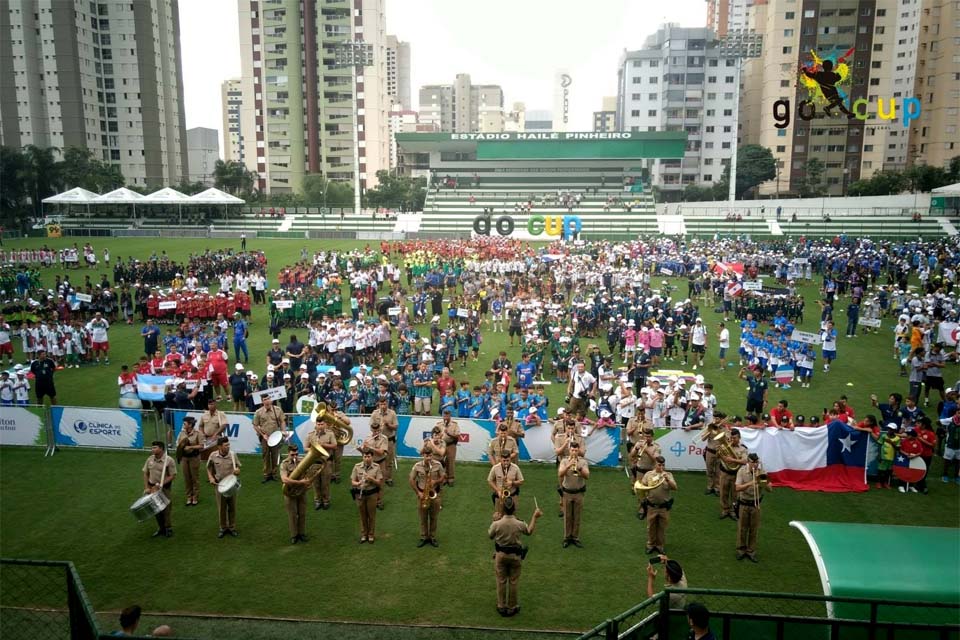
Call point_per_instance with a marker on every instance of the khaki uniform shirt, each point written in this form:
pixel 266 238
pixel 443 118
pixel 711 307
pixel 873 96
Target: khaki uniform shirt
pixel 387 421
pixel 559 428
pixel 662 493
pixel 420 471
pixel 210 424
pixel 508 448
pixel 565 441
pixel 634 428
pixel 450 432
pixel 646 458
pixel 190 440
pixel 369 475
pixel 286 468
pixel 740 452
pixel 514 428
pixel 571 481
pixel 745 476
pixel 498 476
pixel 269 420
pixel 326 440
pixel 507 531
pixel 155 469
pixel 221 465
pixel 373 442
pixel 438 451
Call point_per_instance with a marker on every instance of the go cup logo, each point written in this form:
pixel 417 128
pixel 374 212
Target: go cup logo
pixel 564 226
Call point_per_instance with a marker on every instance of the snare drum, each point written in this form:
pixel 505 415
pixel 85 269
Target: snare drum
pixel 130 401
pixel 149 505
pixel 229 486
pixel 274 439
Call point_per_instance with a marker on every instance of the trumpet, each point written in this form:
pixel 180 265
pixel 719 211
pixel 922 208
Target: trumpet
pixel 576 460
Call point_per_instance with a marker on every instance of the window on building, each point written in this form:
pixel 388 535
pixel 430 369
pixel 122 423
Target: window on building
pixel 708 145
pixel 652 96
pixel 788 33
pixel 784 83
pixel 653 79
pixel 709 128
pixel 787 50
pixel 724 145
pixel 878 47
pixel 635 113
pixel 654 63
pixel 810 13
pixel 727 128
pixel 790 15
pixel 728 112
pixel 881 13
pixel 636 80
pixel 708 177
pixel 652 113
pixel 781 148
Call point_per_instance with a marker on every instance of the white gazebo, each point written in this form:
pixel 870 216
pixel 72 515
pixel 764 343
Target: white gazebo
pixel 216 196
pixel 950 190
pixel 169 196
pixel 77 195
pixel 121 196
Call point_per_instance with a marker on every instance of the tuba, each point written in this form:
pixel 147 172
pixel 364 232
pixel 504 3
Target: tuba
pixel 342 430
pixel 315 455
pixel 641 489
pixel 724 449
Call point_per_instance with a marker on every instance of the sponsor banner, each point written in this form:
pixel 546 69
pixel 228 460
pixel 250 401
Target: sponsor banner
pixel 683 450
pixel 275 393
pixel 752 285
pixel 869 322
pixel 283 304
pixel 805 336
pixel 84 427
pixel 801 260
pixel 20 426
pixel 243 437
pixel 167 304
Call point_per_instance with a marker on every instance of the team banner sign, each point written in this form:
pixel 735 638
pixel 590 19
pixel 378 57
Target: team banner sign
pixel 475 436
pixel 20 426
pixel 84 427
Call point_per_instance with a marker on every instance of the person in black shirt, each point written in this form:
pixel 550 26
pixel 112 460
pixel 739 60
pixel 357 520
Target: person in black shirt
pixel 42 369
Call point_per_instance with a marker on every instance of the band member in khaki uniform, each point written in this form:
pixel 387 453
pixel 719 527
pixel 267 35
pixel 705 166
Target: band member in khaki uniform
pixel 632 433
pixel 434 445
pixel 366 481
pixel 427 471
pixel 158 473
pixel 387 419
pixel 504 475
pixel 710 458
pixel 502 446
pixel 514 426
pixel 450 431
pixel 295 495
pixel 659 503
pixel 266 420
pixel 376 443
pixel 335 460
pixel 212 425
pixel 508 557
pixel 750 487
pixel 573 474
pixel 221 464
pixel 728 475
pixel 324 437
pixel 189 446
pixel 643 456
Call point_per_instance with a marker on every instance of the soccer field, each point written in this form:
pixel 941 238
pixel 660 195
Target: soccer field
pixel 74 507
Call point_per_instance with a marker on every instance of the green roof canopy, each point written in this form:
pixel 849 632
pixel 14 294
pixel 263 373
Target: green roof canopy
pixel 884 562
pixel 552 145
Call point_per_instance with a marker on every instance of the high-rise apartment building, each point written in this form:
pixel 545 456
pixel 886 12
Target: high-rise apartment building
pixel 104 75
pixel 297 106
pixel 606 118
pixel 398 72
pixel 231 96
pixel 203 151
pixel 884 36
pixel 463 107
pixel 934 136
pixel 679 81
pixel 727 15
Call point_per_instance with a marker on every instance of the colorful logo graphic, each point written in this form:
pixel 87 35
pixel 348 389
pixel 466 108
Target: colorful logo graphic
pixel 827 81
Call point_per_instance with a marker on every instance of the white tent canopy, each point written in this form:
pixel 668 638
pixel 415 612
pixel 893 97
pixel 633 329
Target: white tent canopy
pixel 120 196
pixel 167 195
pixel 77 195
pixel 948 190
pixel 215 196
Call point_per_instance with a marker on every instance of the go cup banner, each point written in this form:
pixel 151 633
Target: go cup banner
pixel 20 426
pixel 83 427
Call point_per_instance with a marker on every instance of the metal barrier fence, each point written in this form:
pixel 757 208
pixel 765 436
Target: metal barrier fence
pixel 42 599
pixel 781 616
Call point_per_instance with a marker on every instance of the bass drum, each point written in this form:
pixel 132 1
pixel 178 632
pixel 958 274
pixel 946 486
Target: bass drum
pixel 130 401
pixel 149 505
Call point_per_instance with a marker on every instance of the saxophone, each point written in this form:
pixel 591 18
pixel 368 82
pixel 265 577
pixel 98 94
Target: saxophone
pixel 429 488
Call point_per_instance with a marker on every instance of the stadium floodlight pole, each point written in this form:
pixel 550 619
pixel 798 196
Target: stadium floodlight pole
pixel 738 44
pixel 356 54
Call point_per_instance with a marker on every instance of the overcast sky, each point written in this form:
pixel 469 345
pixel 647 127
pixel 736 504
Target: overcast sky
pixel 518 44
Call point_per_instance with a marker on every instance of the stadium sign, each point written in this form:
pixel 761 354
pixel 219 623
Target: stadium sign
pixel 547 135
pixel 565 226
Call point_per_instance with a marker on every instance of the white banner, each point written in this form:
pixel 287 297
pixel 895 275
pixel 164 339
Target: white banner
pixel 805 336
pixel 869 322
pixel 19 425
pixel 275 393
pixel 243 437
pixel 752 285
pixel 666 271
pixel 801 260
pixel 83 297
pixel 283 304
pixel 948 333
pixel 683 450
pixel 85 427
pixel 167 304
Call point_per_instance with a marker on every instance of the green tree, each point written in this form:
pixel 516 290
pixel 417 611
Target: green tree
pixel 234 178
pixel 14 168
pixel 954 172
pixel 755 164
pixel 925 178
pixel 190 188
pixel 397 192
pixel 696 193
pixel 811 185
pixel 79 168
pixel 318 191
pixel 43 175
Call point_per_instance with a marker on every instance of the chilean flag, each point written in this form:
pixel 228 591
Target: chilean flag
pixel 829 458
pixel 909 470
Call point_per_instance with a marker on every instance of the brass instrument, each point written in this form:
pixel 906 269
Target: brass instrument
pixel 725 450
pixel 507 489
pixel 576 460
pixel 429 488
pixel 342 430
pixel 315 455
pixel 655 481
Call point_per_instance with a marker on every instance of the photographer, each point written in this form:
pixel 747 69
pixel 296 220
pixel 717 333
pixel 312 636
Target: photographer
pixel 581 389
pixel 674 578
